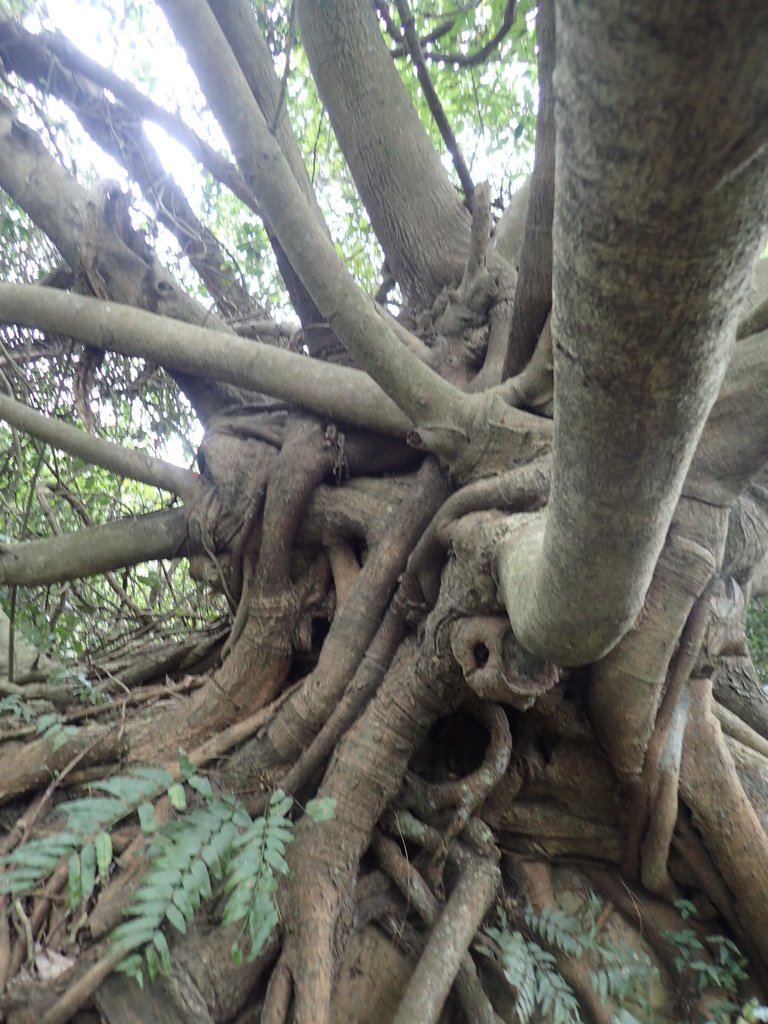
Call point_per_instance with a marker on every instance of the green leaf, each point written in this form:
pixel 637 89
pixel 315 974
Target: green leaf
pixel 321 809
pixel 147 818
pixel 132 934
pixel 186 768
pixel 176 918
pixel 260 927
pixel 279 804
pixel 177 796
pixel 74 885
pixel 87 870
pixel 96 809
pixel 148 909
pixel 161 945
pixel 276 861
pixel 133 966
pixel 202 879
pixel 153 964
pixel 103 844
pixel 202 785
pixel 157 777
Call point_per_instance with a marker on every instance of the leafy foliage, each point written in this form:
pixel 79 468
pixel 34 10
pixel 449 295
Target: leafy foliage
pixel 84 840
pixel 752 1013
pixel 718 964
pixel 757 632
pixel 532 971
pixel 214 842
pixel 618 973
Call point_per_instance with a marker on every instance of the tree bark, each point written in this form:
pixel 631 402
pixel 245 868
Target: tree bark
pixel 414 209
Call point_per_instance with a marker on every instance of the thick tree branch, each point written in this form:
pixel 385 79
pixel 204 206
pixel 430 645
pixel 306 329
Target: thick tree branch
pixel 235 17
pixel 242 32
pixel 659 217
pixel 414 210
pixel 95 550
pixel 330 390
pixel 134 465
pixel 533 298
pixel 423 396
pixel 15 40
pixel 60 208
pixel 58 68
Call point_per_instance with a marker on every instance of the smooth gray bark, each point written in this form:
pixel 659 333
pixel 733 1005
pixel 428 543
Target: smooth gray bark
pixel 96 549
pixel 334 391
pixel 659 216
pixel 425 397
pixel 117 459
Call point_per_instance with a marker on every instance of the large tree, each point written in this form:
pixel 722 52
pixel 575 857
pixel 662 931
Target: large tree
pixel 484 539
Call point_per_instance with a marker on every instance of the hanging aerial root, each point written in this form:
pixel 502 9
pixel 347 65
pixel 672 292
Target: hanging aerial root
pixel 448 944
pixel 655 799
pixel 352 630
pixel 710 786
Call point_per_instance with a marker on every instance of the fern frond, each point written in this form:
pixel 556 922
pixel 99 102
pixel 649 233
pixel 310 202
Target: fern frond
pixel 251 884
pixel 84 842
pixel 557 928
pixel 533 973
pixel 176 883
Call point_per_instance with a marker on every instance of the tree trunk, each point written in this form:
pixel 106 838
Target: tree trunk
pixel 490 632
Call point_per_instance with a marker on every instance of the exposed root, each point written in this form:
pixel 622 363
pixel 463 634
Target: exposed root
pixel 414 888
pixel 700 866
pixel 78 994
pixel 523 489
pixel 626 687
pixel 353 628
pixel 363 777
pixel 26 768
pixel 656 797
pixel 446 952
pixel 710 786
pixel 465 795
pixel 363 685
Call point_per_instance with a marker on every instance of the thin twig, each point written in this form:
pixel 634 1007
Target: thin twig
pixel 433 102
pixel 472 60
